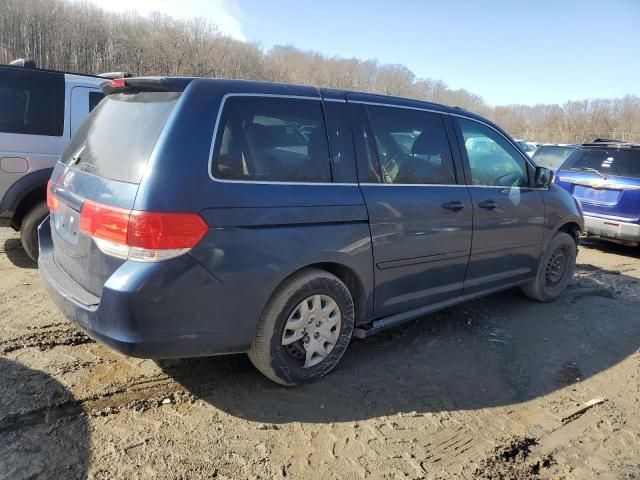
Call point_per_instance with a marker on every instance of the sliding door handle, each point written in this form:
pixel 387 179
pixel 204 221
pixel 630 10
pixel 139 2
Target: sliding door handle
pixel 455 205
pixel 488 204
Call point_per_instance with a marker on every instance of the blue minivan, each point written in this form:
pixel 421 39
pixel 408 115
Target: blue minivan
pixel 194 216
pixel 604 176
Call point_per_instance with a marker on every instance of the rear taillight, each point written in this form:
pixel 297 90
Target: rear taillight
pixel 52 202
pixel 141 236
pixel 117 83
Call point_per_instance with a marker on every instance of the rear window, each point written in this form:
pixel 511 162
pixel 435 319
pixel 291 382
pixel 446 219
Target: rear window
pixel 613 162
pixel 117 138
pixel 551 156
pixel 272 139
pixel 31 102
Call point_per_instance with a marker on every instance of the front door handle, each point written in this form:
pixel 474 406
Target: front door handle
pixel 454 205
pixel 488 204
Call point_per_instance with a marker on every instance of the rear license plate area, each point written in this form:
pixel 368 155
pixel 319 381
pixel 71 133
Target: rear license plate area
pixel 67 223
pixel 597 195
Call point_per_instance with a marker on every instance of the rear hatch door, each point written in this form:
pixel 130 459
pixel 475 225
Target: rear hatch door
pixel 104 163
pixel 605 180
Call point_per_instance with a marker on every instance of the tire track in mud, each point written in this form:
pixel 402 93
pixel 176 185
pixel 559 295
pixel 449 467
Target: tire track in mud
pixel 140 394
pixel 46 338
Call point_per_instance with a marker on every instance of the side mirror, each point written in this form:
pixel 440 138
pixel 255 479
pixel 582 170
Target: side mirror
pixel 543 177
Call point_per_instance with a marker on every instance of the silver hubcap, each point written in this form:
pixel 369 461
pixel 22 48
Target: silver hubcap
pixel 312 330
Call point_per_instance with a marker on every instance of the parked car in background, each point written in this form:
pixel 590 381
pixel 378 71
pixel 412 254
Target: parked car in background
pixel 39 111
pixel 605 177
pixel 528 147
pixel 552 156
pixel 194 216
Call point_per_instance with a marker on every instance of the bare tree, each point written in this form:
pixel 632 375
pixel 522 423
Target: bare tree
pixel 84 38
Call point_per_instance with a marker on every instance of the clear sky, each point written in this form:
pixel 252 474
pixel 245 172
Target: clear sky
pixel 545 51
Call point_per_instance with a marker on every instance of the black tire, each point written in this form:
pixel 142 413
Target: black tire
pixel 555 271
pixel 29 229
pixel 281 363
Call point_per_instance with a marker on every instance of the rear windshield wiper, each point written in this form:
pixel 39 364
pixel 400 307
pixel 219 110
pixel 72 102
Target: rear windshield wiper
pixel 591 170
pixel 75 159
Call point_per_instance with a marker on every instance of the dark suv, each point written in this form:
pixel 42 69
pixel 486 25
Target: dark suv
pixel 198 216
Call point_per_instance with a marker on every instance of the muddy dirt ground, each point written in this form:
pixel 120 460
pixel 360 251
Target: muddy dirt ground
pixel 489 389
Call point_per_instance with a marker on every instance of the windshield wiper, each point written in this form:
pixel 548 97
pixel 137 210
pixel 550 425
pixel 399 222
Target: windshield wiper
pixel 591 170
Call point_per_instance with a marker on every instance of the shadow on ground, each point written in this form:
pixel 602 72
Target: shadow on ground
pixel 43 433
pixel 626 250
pixel 16 254
pixel 500 350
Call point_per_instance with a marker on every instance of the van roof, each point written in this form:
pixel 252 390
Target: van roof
pixel 178 84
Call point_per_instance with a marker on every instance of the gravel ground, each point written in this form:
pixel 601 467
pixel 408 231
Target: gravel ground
pixel 489 389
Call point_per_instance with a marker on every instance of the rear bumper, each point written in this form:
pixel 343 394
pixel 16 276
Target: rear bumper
pixel 170 309
pixel 612 228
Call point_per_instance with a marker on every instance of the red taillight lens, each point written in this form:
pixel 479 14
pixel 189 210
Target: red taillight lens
pixel 159 231
pixel 52 202
pixel 104 222
pixel 117 83
pixel 144 236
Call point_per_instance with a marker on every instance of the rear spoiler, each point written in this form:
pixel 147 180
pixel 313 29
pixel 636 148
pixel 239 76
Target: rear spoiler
pixel 145 84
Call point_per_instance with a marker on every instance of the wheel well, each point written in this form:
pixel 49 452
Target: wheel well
pixel 353 283
pixel 30 200
pixel 572 229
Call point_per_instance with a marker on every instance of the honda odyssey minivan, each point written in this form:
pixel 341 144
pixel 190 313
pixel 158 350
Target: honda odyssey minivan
pixel 195 216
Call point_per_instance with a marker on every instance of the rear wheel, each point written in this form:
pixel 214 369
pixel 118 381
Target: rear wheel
pixel 29 229
pixel 555 270
pixel 305 328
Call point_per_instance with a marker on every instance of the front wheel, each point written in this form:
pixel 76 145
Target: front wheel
pixel 29 229
pixel 304 329
pixel 555 270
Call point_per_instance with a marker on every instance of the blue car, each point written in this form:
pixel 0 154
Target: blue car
pixel 605 177
pixel 195 216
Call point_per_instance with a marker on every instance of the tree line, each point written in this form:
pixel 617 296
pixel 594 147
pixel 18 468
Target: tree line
pixel 81 37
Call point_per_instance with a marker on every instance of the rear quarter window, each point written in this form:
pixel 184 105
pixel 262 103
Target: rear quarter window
pixel 31 102
pixel 118 137
pixel 271 139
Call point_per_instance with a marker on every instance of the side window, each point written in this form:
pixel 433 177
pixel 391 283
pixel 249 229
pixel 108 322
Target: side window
pixel 409 146
pixel 94 99
pixel 492 159
pixel 271 139
pixel 31 102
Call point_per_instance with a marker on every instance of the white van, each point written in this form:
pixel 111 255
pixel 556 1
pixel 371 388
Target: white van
pixel 39 111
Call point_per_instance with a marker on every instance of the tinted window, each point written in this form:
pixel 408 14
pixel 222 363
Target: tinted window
pixel 272 139
pixel 118 137
pixel 31 102
pixel 94 99
pixel 614 162
pixel 550 156
pixel 409 146
pixel 493 160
